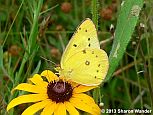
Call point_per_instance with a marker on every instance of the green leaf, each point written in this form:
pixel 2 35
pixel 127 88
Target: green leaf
pixel 37 68
pixel 127 19
pixel 1 57
pixel 94 11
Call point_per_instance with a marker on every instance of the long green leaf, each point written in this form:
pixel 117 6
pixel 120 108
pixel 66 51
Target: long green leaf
pixel 127 19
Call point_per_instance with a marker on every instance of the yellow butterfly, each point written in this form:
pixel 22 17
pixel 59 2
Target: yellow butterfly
pixel 83 61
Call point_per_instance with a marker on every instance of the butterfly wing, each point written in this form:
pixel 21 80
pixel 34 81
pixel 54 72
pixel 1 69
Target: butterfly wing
pixel 88 67
pixel 84 37
pixel 83 61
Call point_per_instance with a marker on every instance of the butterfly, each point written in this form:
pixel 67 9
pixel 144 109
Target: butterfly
pixel 83 61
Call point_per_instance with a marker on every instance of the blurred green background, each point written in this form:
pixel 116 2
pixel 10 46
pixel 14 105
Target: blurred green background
pixel 132 82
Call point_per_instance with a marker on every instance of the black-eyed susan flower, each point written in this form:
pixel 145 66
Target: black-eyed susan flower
pixel 54 96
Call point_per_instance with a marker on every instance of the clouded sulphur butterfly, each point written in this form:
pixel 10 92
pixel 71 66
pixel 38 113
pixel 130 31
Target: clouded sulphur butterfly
pixel 83 61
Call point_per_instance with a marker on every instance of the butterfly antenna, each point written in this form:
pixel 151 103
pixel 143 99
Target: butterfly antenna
pixel 48 60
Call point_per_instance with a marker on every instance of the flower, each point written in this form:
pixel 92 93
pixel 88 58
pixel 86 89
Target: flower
pixel 54 95
pixel 66 7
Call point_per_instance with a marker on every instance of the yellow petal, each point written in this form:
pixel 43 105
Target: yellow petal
pixel 85 104
pixel 82 88
pixel 84 97
pixel 37 80
pixel 49 109
pixel 71 109
pixel 60 110
pixel 30 88
pixel 74 84
pixel 49 75
pixel 35 107
pixel 26 99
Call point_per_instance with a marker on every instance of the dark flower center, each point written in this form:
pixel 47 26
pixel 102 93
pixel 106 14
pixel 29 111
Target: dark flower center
pixel 59 91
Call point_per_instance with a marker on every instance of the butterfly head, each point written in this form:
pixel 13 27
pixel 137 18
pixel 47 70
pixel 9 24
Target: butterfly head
pixel 63 72
pixel 58 68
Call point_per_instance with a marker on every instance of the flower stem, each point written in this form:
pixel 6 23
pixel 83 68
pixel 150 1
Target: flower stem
pixel 94 12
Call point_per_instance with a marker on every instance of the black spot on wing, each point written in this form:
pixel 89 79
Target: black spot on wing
pixel 74 45
pixel 84 51
pixel 87 62
pixel 98 65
